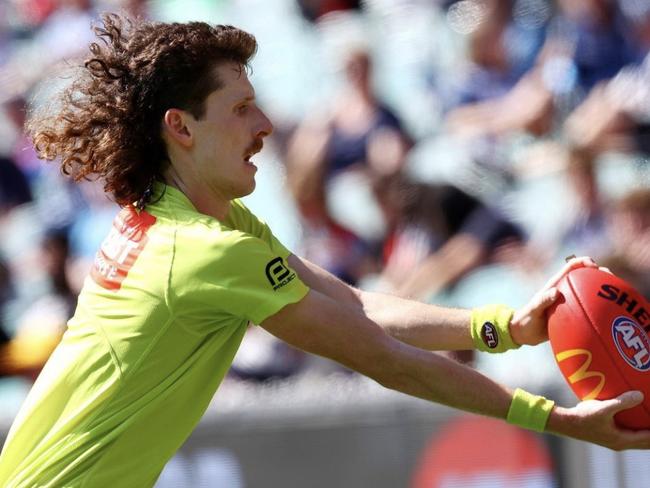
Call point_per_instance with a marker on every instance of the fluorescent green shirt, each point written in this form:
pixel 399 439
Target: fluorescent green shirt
pixel 158 323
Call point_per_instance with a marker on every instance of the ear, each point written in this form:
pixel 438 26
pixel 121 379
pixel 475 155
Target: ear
pixel 176 127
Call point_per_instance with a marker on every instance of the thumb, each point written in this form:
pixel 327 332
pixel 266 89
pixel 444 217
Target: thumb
pixel 547 298
pixel 626 400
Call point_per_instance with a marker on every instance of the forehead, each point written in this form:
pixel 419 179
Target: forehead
pixel 235 84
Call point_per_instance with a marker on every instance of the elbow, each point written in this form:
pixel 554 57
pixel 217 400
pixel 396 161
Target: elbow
pixel 401 381
pixel 385 367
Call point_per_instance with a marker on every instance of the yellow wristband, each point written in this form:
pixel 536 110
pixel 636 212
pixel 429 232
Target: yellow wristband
pixel 529 411
pixel 490 328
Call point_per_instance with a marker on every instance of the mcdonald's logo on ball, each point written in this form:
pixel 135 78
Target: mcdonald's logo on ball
pixel 589 389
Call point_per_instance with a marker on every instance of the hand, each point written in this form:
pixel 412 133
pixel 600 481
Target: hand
pixel 528 325
pixel 593 421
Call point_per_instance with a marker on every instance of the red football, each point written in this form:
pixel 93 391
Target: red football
pixel 599 334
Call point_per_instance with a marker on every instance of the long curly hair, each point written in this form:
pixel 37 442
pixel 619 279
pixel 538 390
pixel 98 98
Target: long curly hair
pixel 107 122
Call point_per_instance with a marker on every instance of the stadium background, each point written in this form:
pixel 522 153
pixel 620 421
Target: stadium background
pixel 538 110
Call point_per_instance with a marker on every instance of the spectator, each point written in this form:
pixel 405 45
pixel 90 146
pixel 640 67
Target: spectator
pixel 360 135
pixel 438 234
pixel 500 51
pixel 588 42
pixel 630 231
pixel 615 115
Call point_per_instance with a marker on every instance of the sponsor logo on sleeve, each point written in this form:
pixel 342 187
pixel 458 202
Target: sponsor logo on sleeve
pixel 121 248
pixel 632 343
pixel 278 273
pixel 489 335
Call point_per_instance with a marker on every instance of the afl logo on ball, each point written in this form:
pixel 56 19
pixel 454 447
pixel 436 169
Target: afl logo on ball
pixel 632 343
pixel 489 335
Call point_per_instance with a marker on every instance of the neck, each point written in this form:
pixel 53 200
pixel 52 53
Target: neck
pixel 201 197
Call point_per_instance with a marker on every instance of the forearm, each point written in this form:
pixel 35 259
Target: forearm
pixel 419 324
pixel 415 323
pixel 562 422
pixel 436 378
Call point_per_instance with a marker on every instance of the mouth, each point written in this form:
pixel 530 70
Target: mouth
pixel 255 148
pixel 250 164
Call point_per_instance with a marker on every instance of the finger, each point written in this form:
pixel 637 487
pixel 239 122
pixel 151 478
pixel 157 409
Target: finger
pixel 626 400
pixel 587 261
pixel 546 299
pixel 635 439
pixel 573 258
pixel 581 262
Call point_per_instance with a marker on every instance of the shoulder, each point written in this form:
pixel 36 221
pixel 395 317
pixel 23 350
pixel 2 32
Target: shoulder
pixel 208 256
pixel 238 210
pixel 207 241
pixel 241 217
pixel 236 272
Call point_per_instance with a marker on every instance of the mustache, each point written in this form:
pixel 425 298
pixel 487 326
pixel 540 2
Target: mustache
pixel 255 147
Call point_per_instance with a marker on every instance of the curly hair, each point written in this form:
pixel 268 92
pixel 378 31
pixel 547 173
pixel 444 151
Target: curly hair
pixel 108 120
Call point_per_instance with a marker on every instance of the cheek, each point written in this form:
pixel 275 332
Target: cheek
pixel 216 146
pixel 229 137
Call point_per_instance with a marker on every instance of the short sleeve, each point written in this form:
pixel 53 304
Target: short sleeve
pixel 234 273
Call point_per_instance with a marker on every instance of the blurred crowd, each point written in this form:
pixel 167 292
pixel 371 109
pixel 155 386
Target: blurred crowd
pixel 449 151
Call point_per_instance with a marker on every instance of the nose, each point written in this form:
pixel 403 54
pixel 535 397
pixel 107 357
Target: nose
pixel 264 126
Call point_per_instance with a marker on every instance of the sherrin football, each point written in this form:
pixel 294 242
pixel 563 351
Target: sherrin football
pixel 598 330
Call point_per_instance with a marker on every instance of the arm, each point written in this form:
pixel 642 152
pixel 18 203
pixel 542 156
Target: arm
pixel 415 323
pixel 343 332
pixel 527 106
pixel 429 326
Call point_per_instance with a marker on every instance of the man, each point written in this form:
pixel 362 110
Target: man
pixel 165 114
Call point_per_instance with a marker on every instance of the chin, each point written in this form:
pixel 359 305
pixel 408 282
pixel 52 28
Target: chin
pixel 247 190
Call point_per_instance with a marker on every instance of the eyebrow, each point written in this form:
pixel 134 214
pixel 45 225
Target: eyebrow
pixel 247 98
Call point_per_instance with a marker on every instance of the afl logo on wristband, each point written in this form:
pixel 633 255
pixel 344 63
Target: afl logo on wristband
pixel 489 335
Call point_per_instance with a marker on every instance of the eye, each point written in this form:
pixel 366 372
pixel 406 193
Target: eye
pixel 241 109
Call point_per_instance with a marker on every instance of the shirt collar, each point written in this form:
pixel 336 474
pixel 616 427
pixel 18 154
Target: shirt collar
pixel 172 195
